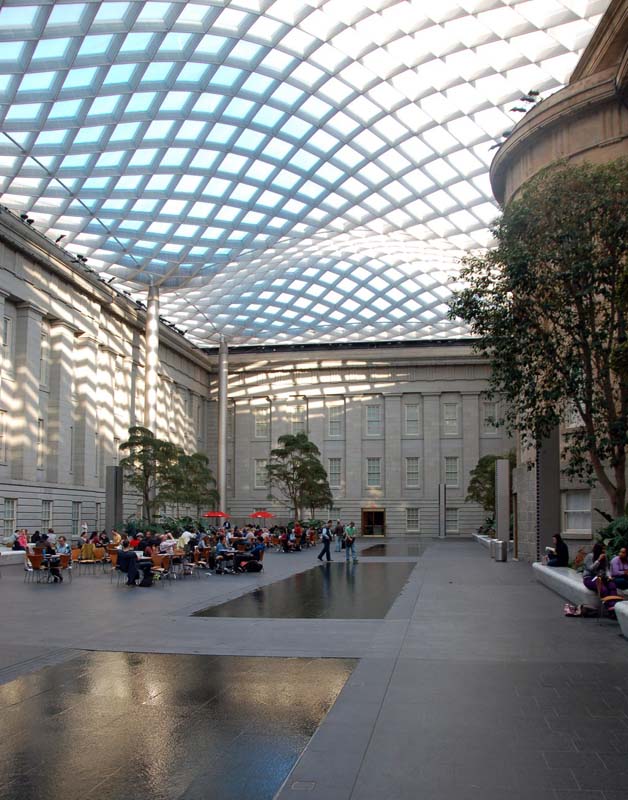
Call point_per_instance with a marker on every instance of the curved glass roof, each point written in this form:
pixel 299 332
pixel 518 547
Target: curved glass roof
pixel 285 170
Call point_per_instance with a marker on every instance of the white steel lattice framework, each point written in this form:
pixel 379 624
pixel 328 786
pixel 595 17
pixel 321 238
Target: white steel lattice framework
pixel 287 172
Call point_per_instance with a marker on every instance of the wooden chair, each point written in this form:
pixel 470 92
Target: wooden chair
pixel 65 564
pixel 161 567
pixel 33 567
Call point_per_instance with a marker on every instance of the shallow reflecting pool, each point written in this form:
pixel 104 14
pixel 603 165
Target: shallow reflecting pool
pixel 397 547
pixel 329 591
pixel 124 726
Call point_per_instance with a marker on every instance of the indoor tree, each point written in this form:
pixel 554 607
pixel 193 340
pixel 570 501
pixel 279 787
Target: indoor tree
pixel 548 310
pixel 294 469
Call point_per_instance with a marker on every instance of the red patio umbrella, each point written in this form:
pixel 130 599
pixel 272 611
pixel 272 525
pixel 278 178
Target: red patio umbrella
pixel 215 514
pixel 261 515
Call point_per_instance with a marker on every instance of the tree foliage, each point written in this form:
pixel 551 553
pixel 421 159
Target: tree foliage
pixel 548 306
pixel 295 470
pixel 481 487
pixel 147 466
pixel 165 475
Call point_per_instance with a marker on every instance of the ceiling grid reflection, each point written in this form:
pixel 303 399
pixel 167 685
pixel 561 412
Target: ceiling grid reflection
pixel 287 171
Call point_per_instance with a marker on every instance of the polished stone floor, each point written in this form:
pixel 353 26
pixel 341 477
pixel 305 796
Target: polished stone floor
pixel 139 727
pixel 398 547
pixel 474 686
pixel 328 591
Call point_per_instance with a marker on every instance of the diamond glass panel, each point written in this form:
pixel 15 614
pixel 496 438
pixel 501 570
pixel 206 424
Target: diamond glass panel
pixel 218 148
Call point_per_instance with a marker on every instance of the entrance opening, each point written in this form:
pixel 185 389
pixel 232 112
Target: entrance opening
pixel 373 522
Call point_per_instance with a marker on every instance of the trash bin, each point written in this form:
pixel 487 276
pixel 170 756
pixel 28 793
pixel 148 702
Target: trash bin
pixel 501 550
pixel 492 548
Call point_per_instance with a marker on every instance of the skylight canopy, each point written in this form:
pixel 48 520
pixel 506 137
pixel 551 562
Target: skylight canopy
pixel 288 171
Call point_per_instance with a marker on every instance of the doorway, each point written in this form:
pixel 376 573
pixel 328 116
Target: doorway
pixel 373 522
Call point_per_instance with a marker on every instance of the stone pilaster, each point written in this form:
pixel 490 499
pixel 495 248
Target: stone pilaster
pixel 27 410
pixel 392 446
pixel 60 412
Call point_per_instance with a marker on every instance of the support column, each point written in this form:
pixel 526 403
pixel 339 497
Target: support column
pixel 223 374
pixel 547 491
pixel 151 359
pixel 25 422
pixel 502 499
pixel 392 447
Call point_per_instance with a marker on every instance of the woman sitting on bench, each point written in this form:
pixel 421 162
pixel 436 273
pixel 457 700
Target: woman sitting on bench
pixel 596 576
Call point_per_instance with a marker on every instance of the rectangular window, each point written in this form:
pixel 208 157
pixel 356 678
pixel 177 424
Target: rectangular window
pixel 450 419
pixel 489 416
pixel 99 525
pixel 261 420
pixel 413 519
pixel 451 471
pixel 76 519
pixel 10 516
pixel 374 420
pixel 46 515
pixel 571 417
pixel 413 478
pixel 299 419
pixel 577 512
pixel 451 520
pixel 373 472
pixel 412 419
pixel 261 476
pixel 41 444
pixel 3 437
pixel 333 472
pixel 334 420
pixel 7 346
pixel 44 354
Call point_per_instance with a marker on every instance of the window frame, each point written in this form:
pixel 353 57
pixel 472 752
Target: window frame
pixel 335 416
pixel 372 460
pixel 417 484
pixel 9 503
pixel 564 512
pixel 448 428
pixel 448 512
pixel 75 518
pixel 261 422
pixel 47 519
pixel 456 459
pixel 409 527
pixel 369 407
pixel 331 472
pixel 256 473
pixel 406 420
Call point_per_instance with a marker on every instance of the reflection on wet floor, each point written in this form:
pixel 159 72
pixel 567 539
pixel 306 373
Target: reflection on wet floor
pixel 125 726
pixel 329 591
pixel 397 547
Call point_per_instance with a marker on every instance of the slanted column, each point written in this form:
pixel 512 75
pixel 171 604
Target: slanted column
pixel 60 409
pixel 223 400
pixel 151 359
pixel 26 417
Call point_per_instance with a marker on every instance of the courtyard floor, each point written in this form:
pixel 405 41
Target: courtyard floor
pixel 446 675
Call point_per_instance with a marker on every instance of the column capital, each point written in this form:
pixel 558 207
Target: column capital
pixel 56 322
pixel 26 307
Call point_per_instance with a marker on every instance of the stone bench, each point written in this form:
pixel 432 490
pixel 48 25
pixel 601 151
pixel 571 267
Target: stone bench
pixel 485 541
pixel 10 557
pixel 567 583
pixel 621 610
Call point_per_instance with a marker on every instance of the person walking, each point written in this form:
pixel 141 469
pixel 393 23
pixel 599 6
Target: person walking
pixel 339 533
pixel 350 534
pixel 326 537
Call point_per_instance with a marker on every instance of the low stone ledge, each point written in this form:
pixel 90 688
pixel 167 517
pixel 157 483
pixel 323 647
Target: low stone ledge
pixel 567 583
pixel 485 541
pixel 621 610
pixel 11 557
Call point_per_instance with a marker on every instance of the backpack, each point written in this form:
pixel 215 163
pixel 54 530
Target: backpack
pixel 253 566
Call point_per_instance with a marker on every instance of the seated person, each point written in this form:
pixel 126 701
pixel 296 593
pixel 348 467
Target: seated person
pixel 116 539
pixel 103 539
pixel 619 569
pixel 596 576
pixel 223 554
pixel 63 548
pixel 52 559
pixel 167 544
pixel 127 563
pixel 558 556
pixel 20 540
pixel 257 549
